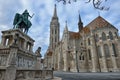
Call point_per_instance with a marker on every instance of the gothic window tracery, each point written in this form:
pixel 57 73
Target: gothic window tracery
pixel 111 35
pixel 97 38
pixel 116 35
pixel 99 52
pixel 106 50
pixel 114 50
pixel 104 36
pixel 89 54
pixel 81 57
pixel 89 41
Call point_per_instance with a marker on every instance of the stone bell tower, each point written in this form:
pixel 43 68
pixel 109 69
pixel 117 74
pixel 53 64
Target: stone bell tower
pixel 54 30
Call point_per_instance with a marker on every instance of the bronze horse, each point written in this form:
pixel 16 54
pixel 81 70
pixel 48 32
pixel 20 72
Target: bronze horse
pixel 21 21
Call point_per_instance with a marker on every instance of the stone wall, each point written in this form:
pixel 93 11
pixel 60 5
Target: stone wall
pixel 27 74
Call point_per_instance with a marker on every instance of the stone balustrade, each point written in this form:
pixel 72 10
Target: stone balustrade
pixel 29 74
pixel 34 74
pixel 5 51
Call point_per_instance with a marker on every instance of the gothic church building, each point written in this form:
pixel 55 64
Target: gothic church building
pixel 94 48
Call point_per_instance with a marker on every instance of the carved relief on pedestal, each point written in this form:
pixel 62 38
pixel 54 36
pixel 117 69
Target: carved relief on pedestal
pixel 38 74
pixel 20 75
pixel 30 74
pixel 3 59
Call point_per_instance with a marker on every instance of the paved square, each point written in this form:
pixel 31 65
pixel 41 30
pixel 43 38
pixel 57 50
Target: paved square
pixel 87 76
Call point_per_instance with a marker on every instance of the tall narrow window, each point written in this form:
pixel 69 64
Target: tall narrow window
pixel 96 38
pixel 83 57
pixel 111 35
pixel 89 54
pixel 80 57
pixel 89 41
pixel 99 52
pixel 106 50
pixel 104 36
pixel 55 40
pixel 7 42
pixel 116 35
pixel 114 50
pixel 55 31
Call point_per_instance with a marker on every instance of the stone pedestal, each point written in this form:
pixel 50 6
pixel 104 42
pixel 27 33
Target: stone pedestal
pixel 10 73
pixel 38 63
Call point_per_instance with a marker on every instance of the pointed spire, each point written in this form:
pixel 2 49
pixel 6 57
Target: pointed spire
pixel 66 23
pixel 79 19
pixel 80 24
pixel 66 28
pixel 55 11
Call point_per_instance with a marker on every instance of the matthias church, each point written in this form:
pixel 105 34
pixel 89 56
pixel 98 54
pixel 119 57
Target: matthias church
pixel 94 48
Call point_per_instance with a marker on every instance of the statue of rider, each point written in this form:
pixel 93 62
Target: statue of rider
pixel 25 15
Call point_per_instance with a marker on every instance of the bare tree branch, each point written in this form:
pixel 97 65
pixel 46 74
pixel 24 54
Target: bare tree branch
pixel 96 3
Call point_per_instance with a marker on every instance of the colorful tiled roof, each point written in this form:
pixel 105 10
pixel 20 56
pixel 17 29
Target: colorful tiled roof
pixel 98 23
pixel 74 35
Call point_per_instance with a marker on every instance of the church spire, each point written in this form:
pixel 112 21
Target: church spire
pixel 66 27
pixel 54 29
pixel 80 24
pixel 55 11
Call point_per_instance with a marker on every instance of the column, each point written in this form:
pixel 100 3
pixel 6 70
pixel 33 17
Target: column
pixel 59 61
pixel 31 49
pixel 114 63
pixel 3 40
pixel 25 44
pixel 11 66
pixel 103 60
pixel 94 54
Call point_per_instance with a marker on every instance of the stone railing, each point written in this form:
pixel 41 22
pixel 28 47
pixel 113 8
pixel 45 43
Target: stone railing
pixel 29 74
pixel 4 51
pixel 34 74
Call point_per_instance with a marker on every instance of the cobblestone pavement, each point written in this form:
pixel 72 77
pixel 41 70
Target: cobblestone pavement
pixel 87 76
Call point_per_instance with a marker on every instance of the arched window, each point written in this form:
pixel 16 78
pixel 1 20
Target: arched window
pixel 114 49
pixel 89 41
pixel 83 57
pixel 81 43
pixel 106 50
pixel 99 52
pixel 89 54
pixel 111 35
pixel 80 57
pixel 96 38
pixel 104 36
pixel 116 35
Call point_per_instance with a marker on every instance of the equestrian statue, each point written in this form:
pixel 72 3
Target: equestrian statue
pixel 22 21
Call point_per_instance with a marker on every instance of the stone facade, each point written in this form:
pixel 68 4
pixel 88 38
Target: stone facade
pixel 23 44
pixel 94 48
pixel 17 59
